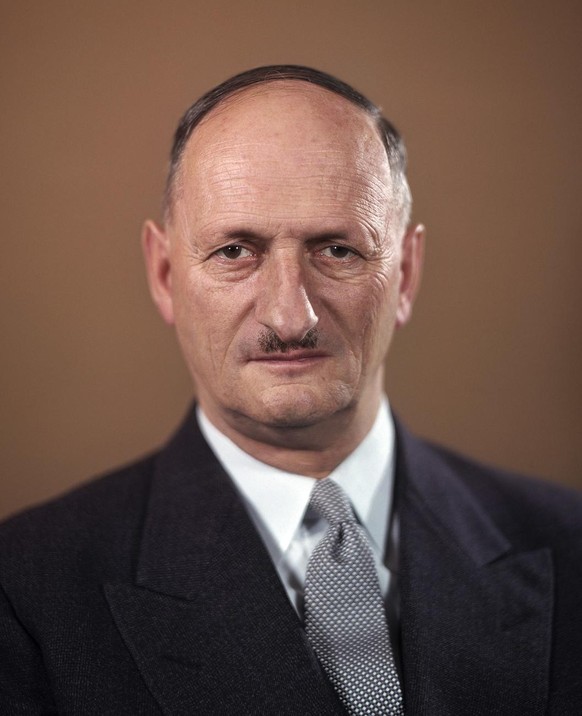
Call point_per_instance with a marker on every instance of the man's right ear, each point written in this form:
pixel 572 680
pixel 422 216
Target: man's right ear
pixel 156 249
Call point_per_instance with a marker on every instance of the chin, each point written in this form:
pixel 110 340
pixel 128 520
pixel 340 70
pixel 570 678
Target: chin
pixel 297 408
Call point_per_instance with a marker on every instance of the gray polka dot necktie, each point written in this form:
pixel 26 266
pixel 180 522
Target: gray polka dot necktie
pixel 344 611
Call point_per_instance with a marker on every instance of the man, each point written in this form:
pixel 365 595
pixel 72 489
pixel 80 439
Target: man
pixel 215 576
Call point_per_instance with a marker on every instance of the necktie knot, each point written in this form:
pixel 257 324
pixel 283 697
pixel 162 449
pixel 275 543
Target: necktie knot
pixel 330 502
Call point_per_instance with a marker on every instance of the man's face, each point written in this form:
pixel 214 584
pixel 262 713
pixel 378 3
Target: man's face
pixel 283 265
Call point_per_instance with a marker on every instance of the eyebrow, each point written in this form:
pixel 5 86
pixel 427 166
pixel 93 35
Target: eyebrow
pixel 249 234
pixel 237 234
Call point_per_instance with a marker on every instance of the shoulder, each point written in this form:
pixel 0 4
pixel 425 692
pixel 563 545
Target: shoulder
pixel 521 505
pixel 525 508
pixel 89 526
pixel 106 494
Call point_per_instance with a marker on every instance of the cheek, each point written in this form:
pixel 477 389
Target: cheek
pixel 365 309
pixel 209 318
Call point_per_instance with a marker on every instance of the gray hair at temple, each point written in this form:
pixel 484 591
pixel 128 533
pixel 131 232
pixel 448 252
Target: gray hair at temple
pixel 390 136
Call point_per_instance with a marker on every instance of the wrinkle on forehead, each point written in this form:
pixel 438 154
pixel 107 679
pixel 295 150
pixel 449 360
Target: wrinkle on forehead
pixel 265 195
pixel 288 113
pixel 267 147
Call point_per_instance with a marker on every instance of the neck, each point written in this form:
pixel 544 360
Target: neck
pixel 314 450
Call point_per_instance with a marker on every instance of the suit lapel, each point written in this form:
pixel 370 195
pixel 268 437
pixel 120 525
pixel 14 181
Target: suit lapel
pixel 476 615
pixel 208 621
pixel 212 631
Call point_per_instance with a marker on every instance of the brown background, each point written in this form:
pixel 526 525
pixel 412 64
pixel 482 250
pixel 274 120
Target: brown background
pixel 489 98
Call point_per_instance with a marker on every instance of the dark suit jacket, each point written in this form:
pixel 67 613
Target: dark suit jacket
pixel 149 591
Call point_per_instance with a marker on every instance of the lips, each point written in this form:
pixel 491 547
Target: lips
pixel 289 356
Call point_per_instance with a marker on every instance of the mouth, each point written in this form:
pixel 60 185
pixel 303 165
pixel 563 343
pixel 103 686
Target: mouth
pixel 289 358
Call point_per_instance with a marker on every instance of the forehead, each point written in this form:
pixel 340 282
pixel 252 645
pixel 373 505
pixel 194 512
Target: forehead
pixel 283 139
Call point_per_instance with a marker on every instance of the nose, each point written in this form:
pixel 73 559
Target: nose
pixel 283 303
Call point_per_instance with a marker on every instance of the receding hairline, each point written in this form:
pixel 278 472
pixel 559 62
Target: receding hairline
pixel 278 86
pixel 246 97
pixel 261 79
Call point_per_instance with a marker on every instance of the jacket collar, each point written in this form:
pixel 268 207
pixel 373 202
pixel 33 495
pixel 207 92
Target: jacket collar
pixel 207 620
pixel 212 631
pixel 475 613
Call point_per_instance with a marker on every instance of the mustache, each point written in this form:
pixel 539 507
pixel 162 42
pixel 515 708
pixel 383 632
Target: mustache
pixel 270 342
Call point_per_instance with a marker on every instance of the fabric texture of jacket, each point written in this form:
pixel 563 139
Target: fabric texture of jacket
pixel 149 591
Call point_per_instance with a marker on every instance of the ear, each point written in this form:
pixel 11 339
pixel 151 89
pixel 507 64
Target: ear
pixel 156 249
pixel 410 271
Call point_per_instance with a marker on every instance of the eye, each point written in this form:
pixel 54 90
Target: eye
pixel 337 252
pixel 234 251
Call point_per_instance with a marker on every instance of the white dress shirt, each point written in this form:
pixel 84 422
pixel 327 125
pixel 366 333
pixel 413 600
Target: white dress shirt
pixel 277 502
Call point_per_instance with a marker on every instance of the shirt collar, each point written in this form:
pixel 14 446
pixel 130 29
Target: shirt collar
pixel 277 500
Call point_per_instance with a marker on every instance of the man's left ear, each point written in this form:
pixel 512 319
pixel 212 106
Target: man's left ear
pixel 410 271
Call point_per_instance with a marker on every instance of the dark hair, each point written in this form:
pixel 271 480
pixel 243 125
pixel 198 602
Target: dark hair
pixel 390 136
